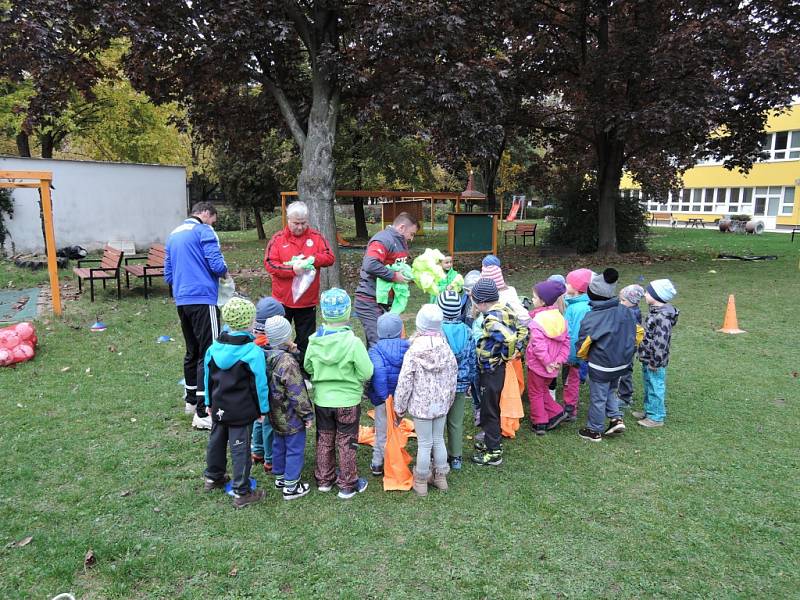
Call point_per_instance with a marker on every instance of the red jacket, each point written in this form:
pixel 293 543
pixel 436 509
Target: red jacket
pixel 280 249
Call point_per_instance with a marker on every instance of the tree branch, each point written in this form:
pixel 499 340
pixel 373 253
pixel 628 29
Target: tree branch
pixel 288 112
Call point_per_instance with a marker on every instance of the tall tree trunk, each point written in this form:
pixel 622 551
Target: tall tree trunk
pixel 358 211
pixel 47 145
pixel 23 145
pixel 491 166
pixel 259 223
pixel 610 160
pixel 316 184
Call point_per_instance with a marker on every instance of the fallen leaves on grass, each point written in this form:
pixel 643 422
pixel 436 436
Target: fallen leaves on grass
pixel 89 559
pixel 125 493
pixel 65 369
pixel 21 543
pixel 234 571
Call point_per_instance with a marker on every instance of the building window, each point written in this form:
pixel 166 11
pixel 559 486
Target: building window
pixel 747 200
pixel 781 145
pixel 685 199
pixel 733 202
pixel 787 206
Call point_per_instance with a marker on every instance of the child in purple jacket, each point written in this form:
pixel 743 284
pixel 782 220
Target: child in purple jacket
pixel 387 359
pixel 547 351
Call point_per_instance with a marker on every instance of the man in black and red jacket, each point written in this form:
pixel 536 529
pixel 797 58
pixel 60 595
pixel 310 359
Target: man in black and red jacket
pixel 384 248
pixel 296 239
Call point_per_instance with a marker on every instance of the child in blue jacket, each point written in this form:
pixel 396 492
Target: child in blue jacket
pixel 459 338
pixel 387 359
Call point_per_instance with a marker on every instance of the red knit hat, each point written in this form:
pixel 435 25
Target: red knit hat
pixel 580 279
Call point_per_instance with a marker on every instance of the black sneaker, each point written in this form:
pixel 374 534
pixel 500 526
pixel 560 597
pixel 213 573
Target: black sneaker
pixel 481 446
pixel 488 458
pixel 280 483
pixel 540 429
pixel 615 426
pixel 556 421
pixel 298 490
pixel 376 470
pixel 209 485
pixel 572 414
pixel 591 435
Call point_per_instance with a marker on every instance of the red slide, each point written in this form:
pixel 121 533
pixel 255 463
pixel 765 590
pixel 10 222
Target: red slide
pixel 512 214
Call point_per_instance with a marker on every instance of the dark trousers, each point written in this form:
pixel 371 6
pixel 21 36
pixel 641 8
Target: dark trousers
pixel 305 322
pixel 237 437
pixel 491 384
pixel 368 312
pixel 337 433
pixel 200 327
pixel 287 456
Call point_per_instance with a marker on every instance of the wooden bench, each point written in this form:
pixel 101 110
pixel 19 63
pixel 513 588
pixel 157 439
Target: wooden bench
pixel 662 216
pixel 109 268
pixel 523 230
pixel 152 267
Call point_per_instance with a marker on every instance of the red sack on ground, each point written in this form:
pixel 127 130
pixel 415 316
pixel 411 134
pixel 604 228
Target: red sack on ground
pixel 17 344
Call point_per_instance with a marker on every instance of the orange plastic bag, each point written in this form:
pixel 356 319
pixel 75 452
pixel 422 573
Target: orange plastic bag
pixel 366 435
pixel 511 399
pixel 396 474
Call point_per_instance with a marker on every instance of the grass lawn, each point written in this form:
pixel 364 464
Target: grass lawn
pixel 98 455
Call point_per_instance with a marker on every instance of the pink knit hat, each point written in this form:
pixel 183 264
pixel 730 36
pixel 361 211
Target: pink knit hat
pixel 494 273
pixel 580 279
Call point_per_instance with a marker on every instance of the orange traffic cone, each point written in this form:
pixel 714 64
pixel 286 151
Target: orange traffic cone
pixel 731 323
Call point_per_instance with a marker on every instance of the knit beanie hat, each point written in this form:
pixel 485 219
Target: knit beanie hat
pixel 335 305
pixel 485 291
pixel 557 277
pixel 470 279
pixel 580 279
pixel 278 330
pixel 390 326
pixel 450 303
pixel 549 291
pixel 490 260
pixel 429 319
pixel 632 293
pixel 662 290
pixel 266 308
pixel 495 273
pixel 603 285
pixel 239 313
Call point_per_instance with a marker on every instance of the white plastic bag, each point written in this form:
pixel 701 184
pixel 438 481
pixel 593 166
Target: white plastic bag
pixel 302 282
pixel 227 288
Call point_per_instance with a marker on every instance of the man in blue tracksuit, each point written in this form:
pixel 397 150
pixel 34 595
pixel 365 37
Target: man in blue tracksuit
pixel 193 266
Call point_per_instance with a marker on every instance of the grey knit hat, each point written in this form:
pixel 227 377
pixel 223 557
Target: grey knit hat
pixel 485 291
pixel 603 285
pixel 390 326
pixel 429 319
pixel 278 330
pixel 267 307
pixel 470 279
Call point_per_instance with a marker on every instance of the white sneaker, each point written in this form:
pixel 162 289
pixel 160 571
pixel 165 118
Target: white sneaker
pixel 189 409
pixel 201 422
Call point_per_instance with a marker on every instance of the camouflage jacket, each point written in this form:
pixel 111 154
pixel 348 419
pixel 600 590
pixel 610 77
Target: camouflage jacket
pixel 289 404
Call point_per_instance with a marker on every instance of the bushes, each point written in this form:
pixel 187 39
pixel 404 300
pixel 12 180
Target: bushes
pixel 6 208
pixel 574 223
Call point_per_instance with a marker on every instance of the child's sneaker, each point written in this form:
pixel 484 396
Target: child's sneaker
pixel 199 422
pixel 650 423
pixel 298 490
pixel 615 426
pixel 324 488
pixel 361 485
pixel 189 408
pixel 280 482
pixel 572 414
pixel 209 485
pixel 539 428
pixel 557 420
pixel 376 470
pixel 636 414
pixel 267 467
pixel 257 458
pixel 590 434
pixel 248 498
pixel 488 459
pixel 455 462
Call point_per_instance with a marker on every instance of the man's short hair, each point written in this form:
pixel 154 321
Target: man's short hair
pixel 298 209
pixel 201 207
pixel 405 218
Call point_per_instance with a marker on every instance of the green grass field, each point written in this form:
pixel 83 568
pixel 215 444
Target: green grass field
pixel 98 455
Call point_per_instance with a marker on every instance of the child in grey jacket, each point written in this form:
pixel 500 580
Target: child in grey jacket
pixel 426 388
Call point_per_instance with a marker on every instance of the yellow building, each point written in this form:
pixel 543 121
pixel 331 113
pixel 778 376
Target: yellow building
pixel 768 192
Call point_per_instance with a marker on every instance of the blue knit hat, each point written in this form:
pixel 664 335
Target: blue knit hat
pixel 557 277
pixel 491 261
pixel 267 307
pixel 662 290
pixel 335 305
pixel 390 326
pixel 485 291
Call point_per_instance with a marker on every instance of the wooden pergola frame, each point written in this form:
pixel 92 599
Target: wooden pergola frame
pixel 393 195
pixel 40 180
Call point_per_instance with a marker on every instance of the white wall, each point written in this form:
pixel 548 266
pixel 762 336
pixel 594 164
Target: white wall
pixel 97 202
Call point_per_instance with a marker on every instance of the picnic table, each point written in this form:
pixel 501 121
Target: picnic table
pixel 695 222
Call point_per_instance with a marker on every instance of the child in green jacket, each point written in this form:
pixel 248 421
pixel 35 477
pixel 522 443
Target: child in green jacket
pixel 338 364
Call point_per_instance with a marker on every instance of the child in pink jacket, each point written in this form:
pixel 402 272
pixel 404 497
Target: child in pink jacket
pixel 548 349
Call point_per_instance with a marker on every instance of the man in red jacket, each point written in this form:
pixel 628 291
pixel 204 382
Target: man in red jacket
pixel 296 239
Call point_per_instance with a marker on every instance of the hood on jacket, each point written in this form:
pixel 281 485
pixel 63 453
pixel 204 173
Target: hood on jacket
pixel 457 335
pixel 550 321
pixel 667 311
pixel 334 344
pixel 427 351
pixel 604 304
pixel 576 299
pixel 392 350
pixel 231 347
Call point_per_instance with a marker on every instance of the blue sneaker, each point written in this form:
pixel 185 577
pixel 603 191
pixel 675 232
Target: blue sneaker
pixel 455 463
pixel 361 485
